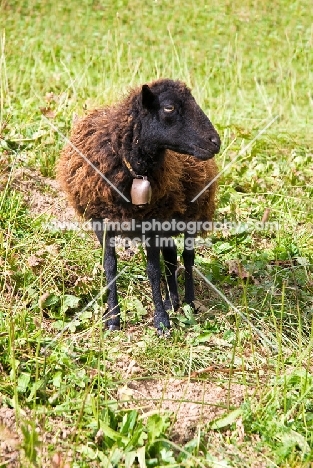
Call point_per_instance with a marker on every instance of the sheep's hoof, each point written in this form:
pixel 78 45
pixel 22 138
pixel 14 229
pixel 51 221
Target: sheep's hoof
pixel 164 332
pixel 114 327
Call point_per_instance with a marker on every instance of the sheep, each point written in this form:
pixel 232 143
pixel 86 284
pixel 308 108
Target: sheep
pixel 160 136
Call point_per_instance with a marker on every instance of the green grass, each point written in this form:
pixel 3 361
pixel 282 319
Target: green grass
pixel 247 62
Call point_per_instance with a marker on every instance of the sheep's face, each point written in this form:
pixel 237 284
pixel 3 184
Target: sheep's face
pixel 173 120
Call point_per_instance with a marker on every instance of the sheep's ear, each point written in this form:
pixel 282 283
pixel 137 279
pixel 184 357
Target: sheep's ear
pixel 149 100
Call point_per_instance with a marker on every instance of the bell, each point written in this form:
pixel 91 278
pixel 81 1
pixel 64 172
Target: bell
pixel 141 191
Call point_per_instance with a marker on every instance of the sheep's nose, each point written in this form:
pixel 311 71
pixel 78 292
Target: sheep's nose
pixel 216 142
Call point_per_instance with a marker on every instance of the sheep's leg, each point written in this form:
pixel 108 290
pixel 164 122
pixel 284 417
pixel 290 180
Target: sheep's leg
pixel 188 258
pixel 161 318
pixel 110 267
pixel 170 260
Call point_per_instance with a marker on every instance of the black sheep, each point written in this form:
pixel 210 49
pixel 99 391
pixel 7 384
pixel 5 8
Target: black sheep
pixel 157 135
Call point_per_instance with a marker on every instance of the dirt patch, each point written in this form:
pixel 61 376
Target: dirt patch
pixel 42 194
pixel 193 404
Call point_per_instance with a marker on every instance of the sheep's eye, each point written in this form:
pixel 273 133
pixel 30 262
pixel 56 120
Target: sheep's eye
pixel 168 108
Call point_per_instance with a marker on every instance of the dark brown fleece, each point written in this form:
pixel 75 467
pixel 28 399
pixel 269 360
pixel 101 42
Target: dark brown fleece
pixel 107 135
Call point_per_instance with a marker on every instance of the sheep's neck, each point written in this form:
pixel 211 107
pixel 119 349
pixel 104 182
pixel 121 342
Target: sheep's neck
pixel 141 164
pixel 141 189
pixel 142 157
pixel 131 170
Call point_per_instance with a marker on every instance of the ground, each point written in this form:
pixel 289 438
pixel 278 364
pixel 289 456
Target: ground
pixel 191 404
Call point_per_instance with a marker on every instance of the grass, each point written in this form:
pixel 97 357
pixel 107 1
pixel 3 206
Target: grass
pixel 74 394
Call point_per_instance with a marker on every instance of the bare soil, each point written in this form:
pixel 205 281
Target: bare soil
pixel 42 194
pixel 193 404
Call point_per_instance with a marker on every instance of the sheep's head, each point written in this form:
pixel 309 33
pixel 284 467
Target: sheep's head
pixel 173 120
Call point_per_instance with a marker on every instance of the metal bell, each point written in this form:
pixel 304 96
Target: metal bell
pixel 141 191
